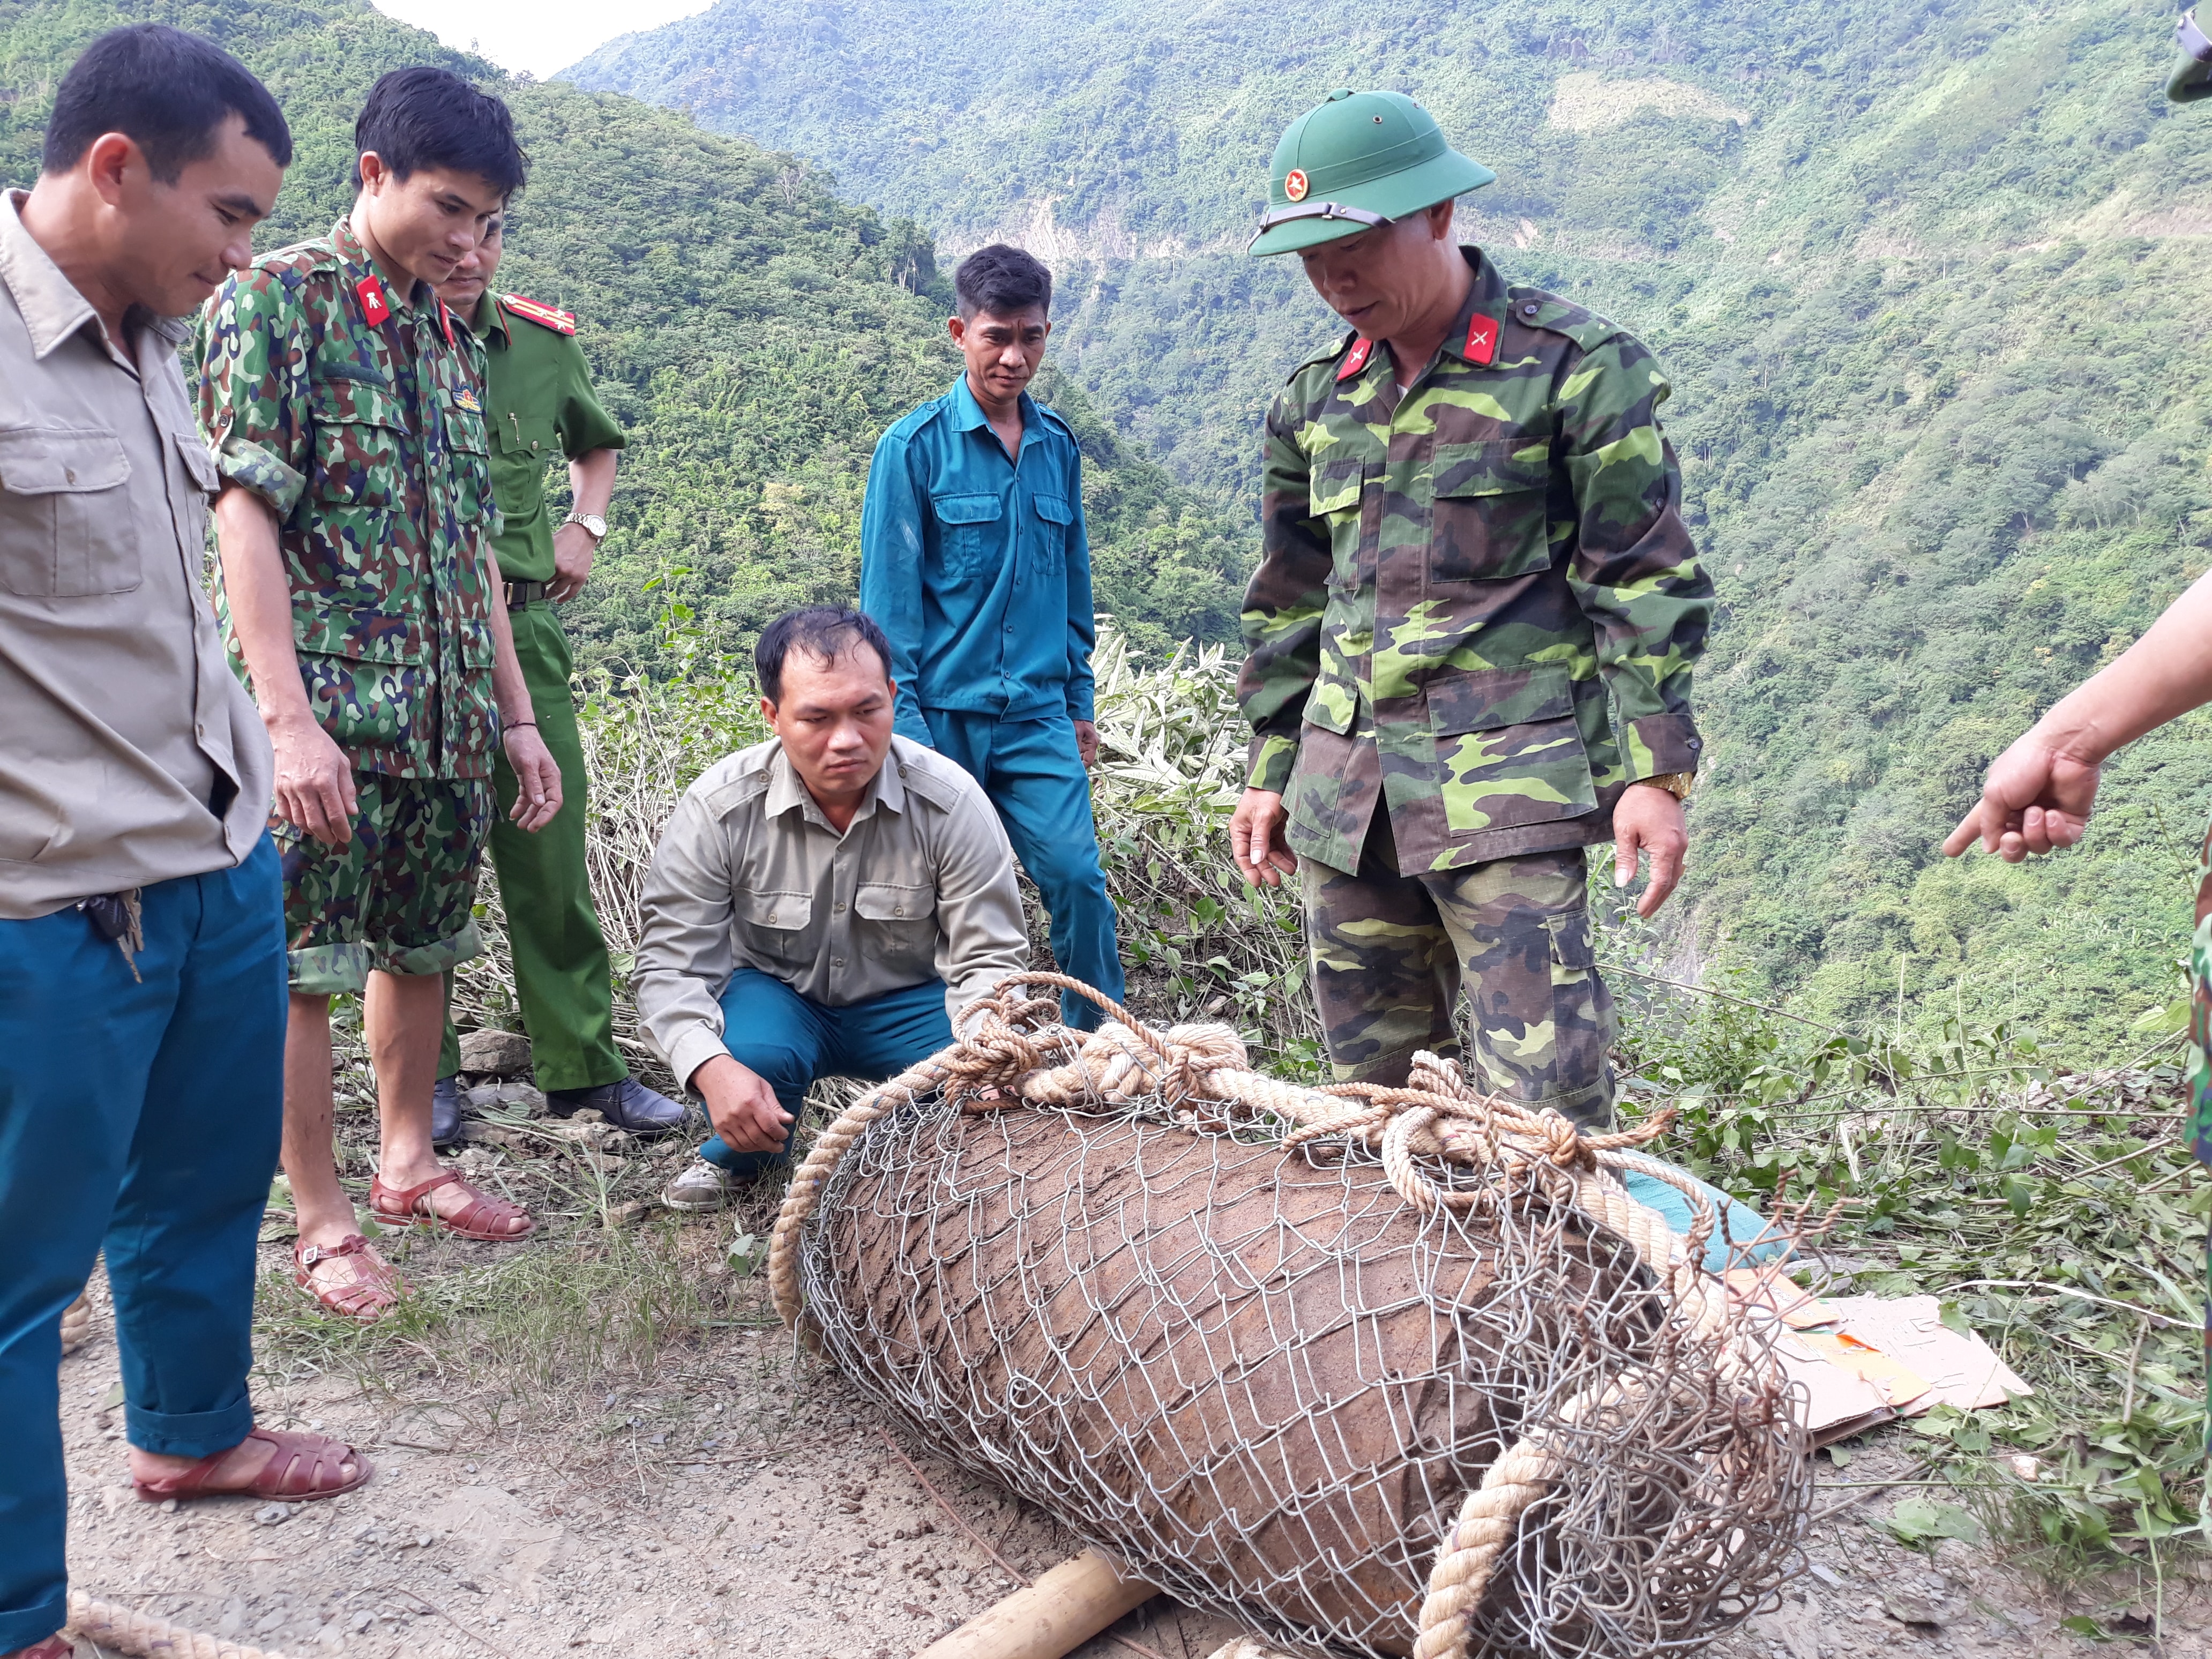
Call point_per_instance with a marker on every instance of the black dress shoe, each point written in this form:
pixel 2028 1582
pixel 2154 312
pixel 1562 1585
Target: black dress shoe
pixel 446 1111
pixel 628 1104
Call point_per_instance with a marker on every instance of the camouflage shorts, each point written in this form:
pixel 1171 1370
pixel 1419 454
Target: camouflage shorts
pixel 397 896
pixel 1389 950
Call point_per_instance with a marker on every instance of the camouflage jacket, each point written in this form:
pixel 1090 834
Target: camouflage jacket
pixel 1453 581
pixel 356 412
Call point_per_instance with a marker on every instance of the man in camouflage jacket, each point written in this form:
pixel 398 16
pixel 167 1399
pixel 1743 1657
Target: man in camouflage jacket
pixel 343 402
pixel 1476 610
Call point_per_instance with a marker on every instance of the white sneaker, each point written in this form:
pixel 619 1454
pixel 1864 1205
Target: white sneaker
pixel 704 1186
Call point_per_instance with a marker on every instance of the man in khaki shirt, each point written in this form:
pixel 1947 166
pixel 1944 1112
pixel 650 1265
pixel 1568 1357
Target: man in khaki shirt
pixel 142 941
pixel 822 904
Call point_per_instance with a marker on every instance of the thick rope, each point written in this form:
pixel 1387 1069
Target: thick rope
pixel 1439 1115
pixel 144 1636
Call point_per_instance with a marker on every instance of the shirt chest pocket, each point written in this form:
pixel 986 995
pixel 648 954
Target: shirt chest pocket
pixel 360 457
pixel 67 530
pixel 1049 538
pixel 468 453
pixel 1492 505
pixel 897 925
pixel 527 436
pixel 776 927
pixel 968 531
pixel 1337 490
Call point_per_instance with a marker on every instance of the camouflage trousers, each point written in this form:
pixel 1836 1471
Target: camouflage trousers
pixel 1389 951
pixel 399 897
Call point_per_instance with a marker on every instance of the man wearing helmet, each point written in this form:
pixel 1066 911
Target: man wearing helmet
pixel 1476 609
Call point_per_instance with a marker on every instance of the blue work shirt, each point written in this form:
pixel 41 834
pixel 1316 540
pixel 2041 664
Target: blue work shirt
pixel 976 566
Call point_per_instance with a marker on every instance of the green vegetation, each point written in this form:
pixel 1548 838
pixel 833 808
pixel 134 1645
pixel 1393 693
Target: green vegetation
pixel 1925 276
pixel 753 332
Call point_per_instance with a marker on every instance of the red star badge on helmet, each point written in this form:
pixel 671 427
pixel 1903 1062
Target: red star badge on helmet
pixel 1294 186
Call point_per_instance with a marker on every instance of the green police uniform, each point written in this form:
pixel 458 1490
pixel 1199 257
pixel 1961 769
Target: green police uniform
pixel 541 410
pixel 1471 629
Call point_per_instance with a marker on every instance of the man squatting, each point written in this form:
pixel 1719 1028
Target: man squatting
pixel 142 928
pixel 821 904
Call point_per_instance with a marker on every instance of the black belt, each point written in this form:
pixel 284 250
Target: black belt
pixel 523 593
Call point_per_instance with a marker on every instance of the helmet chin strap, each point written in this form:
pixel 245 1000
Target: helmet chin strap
pixel 1284 216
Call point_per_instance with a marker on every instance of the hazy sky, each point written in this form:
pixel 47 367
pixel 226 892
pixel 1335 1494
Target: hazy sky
pixel 541 36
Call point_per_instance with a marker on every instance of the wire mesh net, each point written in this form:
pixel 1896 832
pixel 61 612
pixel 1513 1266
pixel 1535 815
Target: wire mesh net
pixel 1267 1383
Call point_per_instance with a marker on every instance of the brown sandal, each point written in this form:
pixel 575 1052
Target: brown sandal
pixel 483 1218
pixel 373 1292
pixel 302 1468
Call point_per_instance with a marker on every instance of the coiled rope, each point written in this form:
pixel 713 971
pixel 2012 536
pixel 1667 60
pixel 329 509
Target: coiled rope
pixel 1016 1054
pixel 144 1636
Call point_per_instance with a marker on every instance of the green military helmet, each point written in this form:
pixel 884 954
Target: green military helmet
pixel 2192 75
pixel 1354 161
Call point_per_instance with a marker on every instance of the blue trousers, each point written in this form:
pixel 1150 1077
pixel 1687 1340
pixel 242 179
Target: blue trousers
pixel 791 1042
pixel 1035 778
pixel 141 1115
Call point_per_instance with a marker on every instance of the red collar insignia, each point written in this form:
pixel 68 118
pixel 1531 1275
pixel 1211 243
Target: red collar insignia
pixel 374 305
pixel 1356 359
pixel 446 318
pixel 545 316
pixel 1481 340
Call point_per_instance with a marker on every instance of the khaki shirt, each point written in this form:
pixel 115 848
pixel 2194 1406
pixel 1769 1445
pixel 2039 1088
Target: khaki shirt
pixel 750 875
pixel 129 753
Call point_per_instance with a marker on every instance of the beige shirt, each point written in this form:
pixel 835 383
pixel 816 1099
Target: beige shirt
pixel 122 727
pixel 750 874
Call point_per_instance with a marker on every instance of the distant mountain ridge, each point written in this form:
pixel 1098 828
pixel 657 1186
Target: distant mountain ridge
pixel 752 330
pixel 1927 276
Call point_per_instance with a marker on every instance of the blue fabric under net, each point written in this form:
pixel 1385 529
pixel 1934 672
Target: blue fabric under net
pixel 1735 1227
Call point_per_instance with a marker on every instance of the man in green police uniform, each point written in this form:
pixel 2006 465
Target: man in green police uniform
pixel 1471 627
pixel 540 405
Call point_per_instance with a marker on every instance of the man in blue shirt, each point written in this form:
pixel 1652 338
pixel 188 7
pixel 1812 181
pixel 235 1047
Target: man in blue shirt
pixel 974 563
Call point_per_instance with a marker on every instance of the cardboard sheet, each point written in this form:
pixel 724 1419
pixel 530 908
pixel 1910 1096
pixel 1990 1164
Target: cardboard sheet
pixel 1961 1370
pixel 1839 1403
pixel 1864 1359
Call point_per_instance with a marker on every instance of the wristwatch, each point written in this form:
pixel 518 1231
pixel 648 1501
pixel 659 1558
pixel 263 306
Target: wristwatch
pixel 592 522
pixel 1677 784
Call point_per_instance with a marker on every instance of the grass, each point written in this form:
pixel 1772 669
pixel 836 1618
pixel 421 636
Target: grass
pixel 2055 1210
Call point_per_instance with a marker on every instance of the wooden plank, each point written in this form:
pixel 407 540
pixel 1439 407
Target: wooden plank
pixel 1052 1617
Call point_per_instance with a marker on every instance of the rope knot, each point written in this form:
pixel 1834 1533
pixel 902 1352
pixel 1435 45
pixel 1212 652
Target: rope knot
pixel 1563 1142
pixel 1121 1063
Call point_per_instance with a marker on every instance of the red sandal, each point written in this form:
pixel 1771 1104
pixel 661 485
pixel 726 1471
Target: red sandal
pixel 483 1218
pixel 302 1468
pixel 373 1292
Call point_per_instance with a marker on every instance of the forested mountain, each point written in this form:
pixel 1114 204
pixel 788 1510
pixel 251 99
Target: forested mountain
pixel 1927 274
pixel 753 332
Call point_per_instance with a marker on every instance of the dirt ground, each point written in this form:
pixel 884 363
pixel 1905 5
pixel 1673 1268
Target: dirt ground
pixel 826 1548
pixel 731 1498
